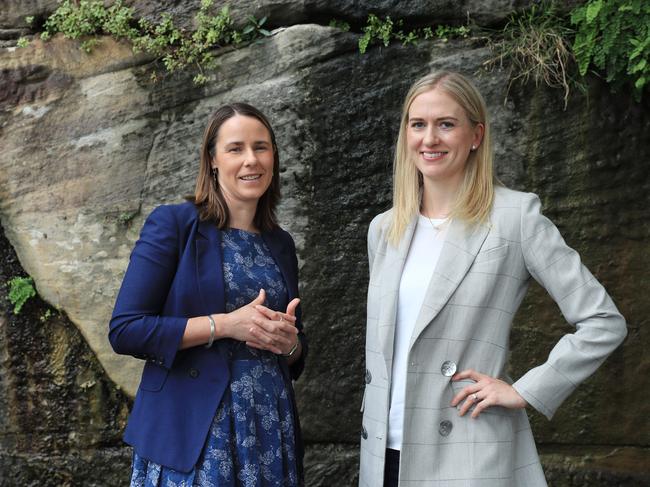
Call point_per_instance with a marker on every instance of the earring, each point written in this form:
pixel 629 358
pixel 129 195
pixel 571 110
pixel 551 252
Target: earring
pixel 473 147
pixel 214 177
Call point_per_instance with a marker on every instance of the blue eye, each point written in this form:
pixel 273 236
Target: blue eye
pixel 417 125
pixel 446 125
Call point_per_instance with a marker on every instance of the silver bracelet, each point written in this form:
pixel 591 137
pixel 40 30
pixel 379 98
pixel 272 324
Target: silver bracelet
pixel 213 330
pixel 293 349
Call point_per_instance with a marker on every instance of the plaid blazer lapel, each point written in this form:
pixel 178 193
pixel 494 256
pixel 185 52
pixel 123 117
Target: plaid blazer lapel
pixel 461 246
pixel 392 274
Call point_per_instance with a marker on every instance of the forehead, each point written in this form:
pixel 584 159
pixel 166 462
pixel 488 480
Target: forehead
pixel 241 128
pixel 435 103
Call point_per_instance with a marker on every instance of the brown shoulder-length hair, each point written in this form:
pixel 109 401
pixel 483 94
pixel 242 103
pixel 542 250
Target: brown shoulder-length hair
pixel 207 194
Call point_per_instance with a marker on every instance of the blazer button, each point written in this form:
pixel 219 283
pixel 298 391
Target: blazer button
pixel 194 373
pixel 368 376
pixel 445 427
pixel 448 368
pixel 364 433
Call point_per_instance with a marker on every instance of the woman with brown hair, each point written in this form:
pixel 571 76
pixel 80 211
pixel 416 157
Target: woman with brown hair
pixel 209 300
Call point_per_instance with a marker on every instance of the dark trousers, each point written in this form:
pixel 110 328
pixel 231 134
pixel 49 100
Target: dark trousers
pixel 391 468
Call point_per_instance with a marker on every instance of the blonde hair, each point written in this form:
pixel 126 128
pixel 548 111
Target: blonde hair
pixel 474 200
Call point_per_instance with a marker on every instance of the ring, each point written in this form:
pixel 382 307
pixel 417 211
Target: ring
pixel 281 318
pixel 475 397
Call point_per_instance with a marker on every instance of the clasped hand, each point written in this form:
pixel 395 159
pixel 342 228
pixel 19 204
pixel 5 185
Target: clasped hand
pixel 485 392
pixel 264 328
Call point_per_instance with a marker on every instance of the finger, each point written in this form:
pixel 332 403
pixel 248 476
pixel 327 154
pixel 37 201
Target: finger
pixel 261 297
pixel 291 307
pixel 468 374
pixel 270 338
pixel 464 392
pixel 268 313
pixel 482 405
pixel 276 328
pixel 472 399
pixel 274 315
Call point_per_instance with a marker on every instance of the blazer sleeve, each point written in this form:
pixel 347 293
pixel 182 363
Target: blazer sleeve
pixel 373 236
pixel 138 326
pixel 298 366
pixel 599 327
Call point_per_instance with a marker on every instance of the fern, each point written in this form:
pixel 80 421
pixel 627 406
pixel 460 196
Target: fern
pixel 613 36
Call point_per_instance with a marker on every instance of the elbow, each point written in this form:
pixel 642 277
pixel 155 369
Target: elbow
pixel 114 339
pixel 622 329
pixel 117 338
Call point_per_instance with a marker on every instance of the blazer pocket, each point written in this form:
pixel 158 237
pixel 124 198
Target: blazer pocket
pixel 153 377
pixel 491 254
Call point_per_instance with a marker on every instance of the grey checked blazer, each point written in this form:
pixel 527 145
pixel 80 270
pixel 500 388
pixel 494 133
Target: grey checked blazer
pixel 478 284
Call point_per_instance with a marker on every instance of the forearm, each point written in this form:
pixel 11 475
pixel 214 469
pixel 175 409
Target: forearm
pixel 198 330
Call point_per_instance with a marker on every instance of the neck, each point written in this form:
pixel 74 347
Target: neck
pixel 438 198
pixel 242 215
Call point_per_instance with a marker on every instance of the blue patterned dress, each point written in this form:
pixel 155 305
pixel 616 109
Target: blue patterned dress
pixel 251 439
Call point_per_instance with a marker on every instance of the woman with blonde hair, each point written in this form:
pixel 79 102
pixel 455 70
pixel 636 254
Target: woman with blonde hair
pixel 450 263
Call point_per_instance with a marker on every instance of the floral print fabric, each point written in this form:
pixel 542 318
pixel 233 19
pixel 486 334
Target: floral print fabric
pixel 251 439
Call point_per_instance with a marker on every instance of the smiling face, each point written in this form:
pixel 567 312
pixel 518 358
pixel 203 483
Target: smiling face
pixel 440 136
pixel 244 160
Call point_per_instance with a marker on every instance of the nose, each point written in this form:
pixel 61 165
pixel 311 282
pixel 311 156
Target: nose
pixel 251 157
pixel 430 136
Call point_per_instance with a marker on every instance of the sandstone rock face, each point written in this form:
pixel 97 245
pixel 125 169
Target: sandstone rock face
pixel 91 145
pixel 61 418
pixel 289 12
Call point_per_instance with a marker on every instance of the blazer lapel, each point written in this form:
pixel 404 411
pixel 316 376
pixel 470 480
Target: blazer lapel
pixel 461 245
pixel 209 268
pixel 390 279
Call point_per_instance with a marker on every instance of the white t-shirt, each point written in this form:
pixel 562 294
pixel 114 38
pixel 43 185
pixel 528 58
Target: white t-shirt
pixel 420 262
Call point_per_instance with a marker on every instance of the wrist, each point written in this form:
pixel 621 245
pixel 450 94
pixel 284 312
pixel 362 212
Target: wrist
pixel 213 331
pixel 293 349
pixel 221 321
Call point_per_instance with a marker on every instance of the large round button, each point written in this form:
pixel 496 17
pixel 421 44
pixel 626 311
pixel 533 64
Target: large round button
pixel 194 373
pixel 364 433
pixel 445 427
pixel 368 376
pixel 448 368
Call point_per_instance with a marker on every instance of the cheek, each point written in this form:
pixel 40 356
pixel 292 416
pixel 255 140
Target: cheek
pixel 412 140
pixel 267 162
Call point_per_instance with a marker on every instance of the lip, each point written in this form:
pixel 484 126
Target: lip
pixel 432 156
pixel 250 178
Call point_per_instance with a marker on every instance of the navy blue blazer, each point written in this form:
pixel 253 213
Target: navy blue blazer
pixel 175 273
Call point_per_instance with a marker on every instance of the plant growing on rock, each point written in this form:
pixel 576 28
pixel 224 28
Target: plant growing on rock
pixel 21 289
pixel 534 45
pixel 340 24
pixel 176 48
pixel 385 31
pixel 614 37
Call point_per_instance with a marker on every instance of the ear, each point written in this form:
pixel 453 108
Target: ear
pixel 479 130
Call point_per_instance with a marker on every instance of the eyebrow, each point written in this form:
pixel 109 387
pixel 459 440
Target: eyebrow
pixel 239 142
pixel 449 117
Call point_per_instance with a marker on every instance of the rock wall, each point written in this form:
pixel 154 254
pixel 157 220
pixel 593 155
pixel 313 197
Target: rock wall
pixel 90 146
